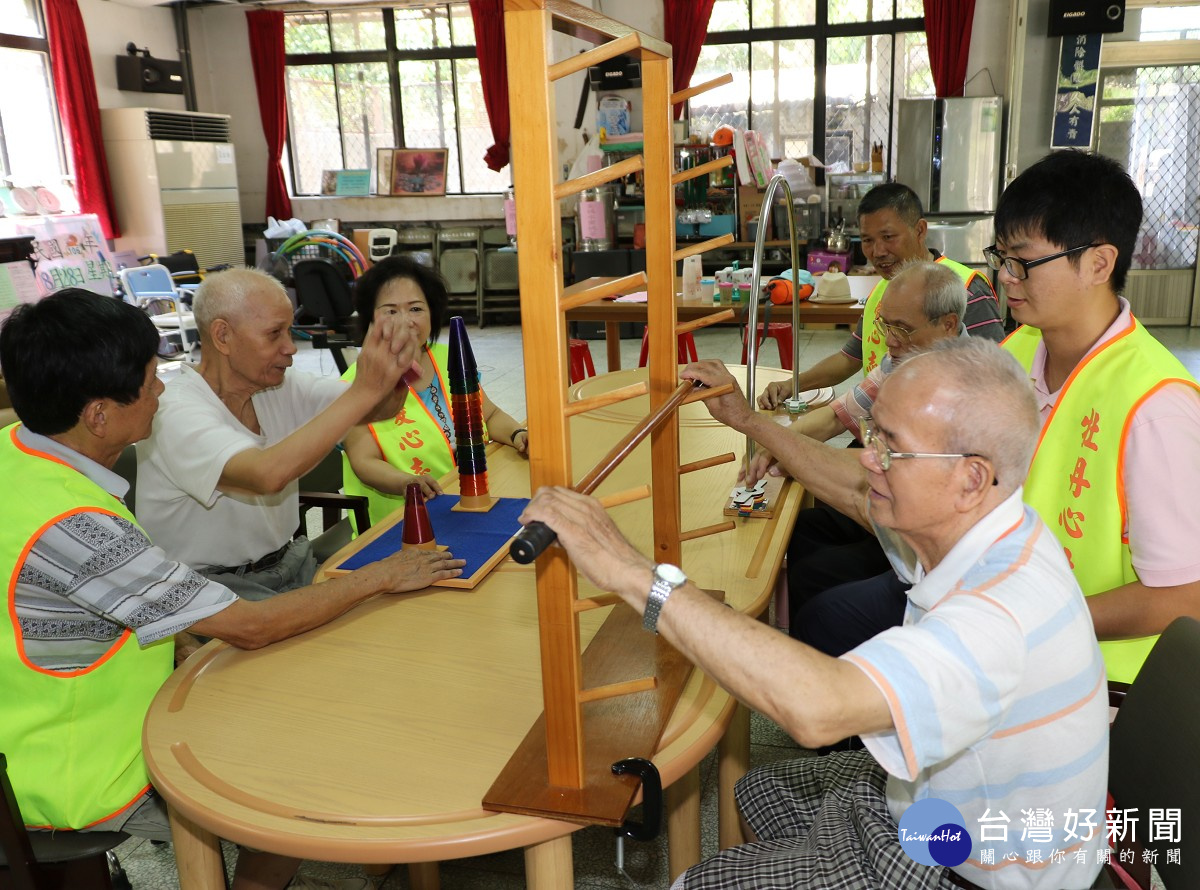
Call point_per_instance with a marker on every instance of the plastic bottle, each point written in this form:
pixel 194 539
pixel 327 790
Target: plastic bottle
pixel 692 273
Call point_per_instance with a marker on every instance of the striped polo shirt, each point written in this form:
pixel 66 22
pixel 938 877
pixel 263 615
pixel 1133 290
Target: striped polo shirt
pixel 997 693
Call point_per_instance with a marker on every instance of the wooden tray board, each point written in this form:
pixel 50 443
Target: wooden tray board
pixel 615 728
pixel 774 487
pixel 448 532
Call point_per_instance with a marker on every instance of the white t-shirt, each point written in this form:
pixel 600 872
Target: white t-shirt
pixel 181 463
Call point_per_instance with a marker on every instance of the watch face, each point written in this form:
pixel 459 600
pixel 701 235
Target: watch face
pixel 669 573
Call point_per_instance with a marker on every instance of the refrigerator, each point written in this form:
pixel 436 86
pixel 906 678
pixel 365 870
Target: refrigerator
pixel 950 154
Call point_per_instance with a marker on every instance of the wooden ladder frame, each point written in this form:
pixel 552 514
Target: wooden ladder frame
pixel 544 301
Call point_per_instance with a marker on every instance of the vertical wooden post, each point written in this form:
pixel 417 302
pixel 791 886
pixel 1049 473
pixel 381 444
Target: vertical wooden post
pixel 658 153
pixel 528 31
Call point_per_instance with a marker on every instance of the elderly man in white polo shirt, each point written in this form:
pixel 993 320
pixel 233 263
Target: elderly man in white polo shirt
pixel 990 699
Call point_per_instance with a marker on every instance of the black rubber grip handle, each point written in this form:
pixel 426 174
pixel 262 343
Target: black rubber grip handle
pixel 530 542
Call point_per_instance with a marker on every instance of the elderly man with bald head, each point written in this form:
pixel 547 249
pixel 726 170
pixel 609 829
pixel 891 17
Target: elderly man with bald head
pixel 217 480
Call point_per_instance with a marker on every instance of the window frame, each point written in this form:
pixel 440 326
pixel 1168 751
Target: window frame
pixel 820 32
pixel 392 56
pixel 23 42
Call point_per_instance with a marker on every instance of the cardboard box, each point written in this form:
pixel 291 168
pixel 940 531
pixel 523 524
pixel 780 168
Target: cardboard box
pixel 820 260
pixel 749 204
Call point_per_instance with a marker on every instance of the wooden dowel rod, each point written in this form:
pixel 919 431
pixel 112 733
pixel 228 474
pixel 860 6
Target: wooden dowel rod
pixel 534 538
pixel 602 53
pixel 711 244
pixel 707 530
pixel 648 424
pixel 701 169
pixel 684 95
pixel 702 394
pixel 618 170
pixel 628 496
pixel 685 327
pixel 621 285
pixel 613 690
pixel 596 602
pixel 606 398
pixel 716 460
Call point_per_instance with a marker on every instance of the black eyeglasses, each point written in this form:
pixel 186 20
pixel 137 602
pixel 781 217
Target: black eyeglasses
pixel 1019 268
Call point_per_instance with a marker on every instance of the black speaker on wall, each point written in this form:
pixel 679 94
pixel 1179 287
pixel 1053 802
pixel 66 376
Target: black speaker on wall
pixel 144 74
pixel 1086 17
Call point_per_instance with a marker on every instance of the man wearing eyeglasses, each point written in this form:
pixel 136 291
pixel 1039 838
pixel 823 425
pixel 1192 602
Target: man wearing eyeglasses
pixel 1116 474
pixel 990 695
pixel 923 305
pixel 1117 470
pixel 893 229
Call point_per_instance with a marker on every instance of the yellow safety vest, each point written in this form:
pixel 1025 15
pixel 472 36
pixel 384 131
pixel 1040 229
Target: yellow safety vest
pixel 1076 481
pixel 73 738
pixel 873 346
pixel 412 442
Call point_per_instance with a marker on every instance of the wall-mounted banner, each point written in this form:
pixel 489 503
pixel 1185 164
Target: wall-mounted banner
pixel 1075 96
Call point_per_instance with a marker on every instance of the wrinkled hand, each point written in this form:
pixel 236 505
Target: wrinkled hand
pixel 731 409
pixel 775 394
pixel 390 351
pixel 590 537
pixel 763 464
pixel 521 442
pixel 416 569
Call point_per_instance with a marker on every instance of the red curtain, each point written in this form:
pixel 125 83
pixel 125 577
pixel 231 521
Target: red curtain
pixel 948 30
pixel 265 29
pixel 686 24
pixel 490 49
pixel 75 92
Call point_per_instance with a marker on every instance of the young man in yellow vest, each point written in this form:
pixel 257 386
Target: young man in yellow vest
pixel 893 230
pixel 1117 470
pixel 1116 475
pixel 92 605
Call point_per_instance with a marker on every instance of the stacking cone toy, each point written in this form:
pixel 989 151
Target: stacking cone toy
pixel 418 530
pixel 466 408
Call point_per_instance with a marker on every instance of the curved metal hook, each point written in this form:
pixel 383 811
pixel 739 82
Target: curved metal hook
pixel 652 799
pixel 777 182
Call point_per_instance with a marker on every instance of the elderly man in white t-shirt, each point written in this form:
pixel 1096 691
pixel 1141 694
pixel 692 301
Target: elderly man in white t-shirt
pixel 217 479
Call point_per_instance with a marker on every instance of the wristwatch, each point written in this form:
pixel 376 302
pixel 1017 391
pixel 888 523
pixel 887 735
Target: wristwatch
pixel 666 578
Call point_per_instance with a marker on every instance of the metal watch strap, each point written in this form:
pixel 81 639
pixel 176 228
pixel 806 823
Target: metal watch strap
pixel 660 589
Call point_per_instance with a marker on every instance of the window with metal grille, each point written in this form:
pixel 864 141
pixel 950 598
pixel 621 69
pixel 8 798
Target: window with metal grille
pixel 31 144
pixel 814 77
pixel 1150 123
pixel 366 79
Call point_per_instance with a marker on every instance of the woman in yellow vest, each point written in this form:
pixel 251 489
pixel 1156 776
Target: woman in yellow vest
pixel 417 445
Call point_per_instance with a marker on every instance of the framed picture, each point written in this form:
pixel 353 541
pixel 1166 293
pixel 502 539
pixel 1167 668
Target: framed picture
pixel 353 183
pixel 329 182
pixel 383 170
pixel 419 171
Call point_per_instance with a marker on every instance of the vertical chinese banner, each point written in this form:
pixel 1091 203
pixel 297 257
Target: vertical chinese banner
pixel 1075 95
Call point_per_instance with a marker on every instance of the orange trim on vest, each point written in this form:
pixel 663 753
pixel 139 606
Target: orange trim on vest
pixel 18 637
pixel 1121 501
pixel 118 811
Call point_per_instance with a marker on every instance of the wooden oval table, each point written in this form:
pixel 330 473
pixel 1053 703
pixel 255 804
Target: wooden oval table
pixel 373 738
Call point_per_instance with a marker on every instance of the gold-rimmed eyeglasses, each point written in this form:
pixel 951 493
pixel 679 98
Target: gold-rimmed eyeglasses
pixel 884 455
pixel 885 329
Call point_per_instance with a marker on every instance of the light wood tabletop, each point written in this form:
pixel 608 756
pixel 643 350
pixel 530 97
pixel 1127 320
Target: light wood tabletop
pixel 373 738
pixel 613 312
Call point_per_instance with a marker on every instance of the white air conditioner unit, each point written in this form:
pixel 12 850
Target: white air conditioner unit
pixel 174 182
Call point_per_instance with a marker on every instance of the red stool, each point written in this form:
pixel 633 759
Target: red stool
pixel 580 356
pixel 781 332
pixel 685 352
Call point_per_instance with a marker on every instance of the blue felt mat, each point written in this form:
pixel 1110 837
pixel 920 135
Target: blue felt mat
pixel 474 537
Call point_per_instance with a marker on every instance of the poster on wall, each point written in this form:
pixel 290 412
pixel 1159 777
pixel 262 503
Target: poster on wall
pixel 70 251
pixel 1075 95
